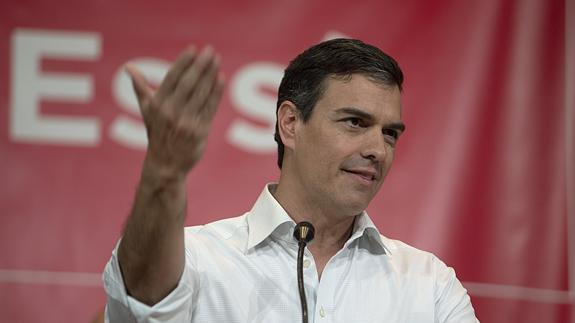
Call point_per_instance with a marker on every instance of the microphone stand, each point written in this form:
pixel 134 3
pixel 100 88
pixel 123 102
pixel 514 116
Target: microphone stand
pixel 303 232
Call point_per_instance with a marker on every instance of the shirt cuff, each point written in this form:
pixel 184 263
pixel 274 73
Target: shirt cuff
pixel 121 307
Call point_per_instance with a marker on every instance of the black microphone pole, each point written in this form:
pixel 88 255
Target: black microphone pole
pixel 303 233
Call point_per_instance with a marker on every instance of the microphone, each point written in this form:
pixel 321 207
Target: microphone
pixel 303 233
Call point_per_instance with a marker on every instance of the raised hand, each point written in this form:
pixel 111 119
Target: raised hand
pixel 178 117
pixel 179 114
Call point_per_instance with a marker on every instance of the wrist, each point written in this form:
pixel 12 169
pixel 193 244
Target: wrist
pixel 153 170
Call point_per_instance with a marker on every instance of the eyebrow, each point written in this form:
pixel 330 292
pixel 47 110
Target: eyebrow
pixel 400 126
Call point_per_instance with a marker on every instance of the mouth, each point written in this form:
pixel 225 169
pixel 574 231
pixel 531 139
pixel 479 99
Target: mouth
pixel 365 175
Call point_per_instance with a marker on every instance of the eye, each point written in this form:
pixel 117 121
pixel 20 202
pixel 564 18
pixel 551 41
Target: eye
pixel 391 133
pixel 354 122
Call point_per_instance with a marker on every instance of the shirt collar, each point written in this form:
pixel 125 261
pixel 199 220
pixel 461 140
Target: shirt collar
pixel 363 227
pixel 267 216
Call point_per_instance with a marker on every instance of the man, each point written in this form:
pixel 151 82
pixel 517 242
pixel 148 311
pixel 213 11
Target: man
pixel 338 122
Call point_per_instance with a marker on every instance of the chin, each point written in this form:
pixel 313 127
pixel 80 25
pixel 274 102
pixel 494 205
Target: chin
pixel 351 202
pixel 353 207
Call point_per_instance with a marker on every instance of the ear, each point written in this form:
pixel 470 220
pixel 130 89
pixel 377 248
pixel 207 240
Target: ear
pixel 288 117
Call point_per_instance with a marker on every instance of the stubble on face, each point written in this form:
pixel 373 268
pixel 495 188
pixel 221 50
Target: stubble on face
pixel 343 151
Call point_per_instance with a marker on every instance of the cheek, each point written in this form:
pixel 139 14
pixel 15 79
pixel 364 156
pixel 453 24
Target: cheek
pixel 335 152
pixel 389 156
pixel 326 148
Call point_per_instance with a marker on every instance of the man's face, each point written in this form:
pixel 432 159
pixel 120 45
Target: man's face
pixel 343 152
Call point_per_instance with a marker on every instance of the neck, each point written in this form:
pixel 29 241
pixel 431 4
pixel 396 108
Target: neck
pixel 332 229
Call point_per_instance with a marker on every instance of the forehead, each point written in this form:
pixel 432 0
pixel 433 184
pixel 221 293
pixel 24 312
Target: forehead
pixel 361 92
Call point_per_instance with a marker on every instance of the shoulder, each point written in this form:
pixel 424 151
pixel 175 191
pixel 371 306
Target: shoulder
pixel 409 259
pixel 230 231
pixel 223 228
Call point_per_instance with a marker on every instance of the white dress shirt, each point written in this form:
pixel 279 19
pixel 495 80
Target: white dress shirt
pixel 243 269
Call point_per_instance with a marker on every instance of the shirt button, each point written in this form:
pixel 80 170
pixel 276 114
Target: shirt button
pixel 306 263
pixel 321 312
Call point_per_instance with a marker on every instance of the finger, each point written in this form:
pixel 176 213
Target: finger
pixel 211 105
pixel 187 83
pixel 203 88
pixel 141 86
pixel 178 68
pixel 202 120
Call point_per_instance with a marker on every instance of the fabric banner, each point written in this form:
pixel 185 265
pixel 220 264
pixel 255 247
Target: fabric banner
pixel 484 176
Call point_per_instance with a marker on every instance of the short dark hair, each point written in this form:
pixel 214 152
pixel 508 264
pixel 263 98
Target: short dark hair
pixel 303 82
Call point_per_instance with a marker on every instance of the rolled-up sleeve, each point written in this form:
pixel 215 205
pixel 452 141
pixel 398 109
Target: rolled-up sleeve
pixel 121 307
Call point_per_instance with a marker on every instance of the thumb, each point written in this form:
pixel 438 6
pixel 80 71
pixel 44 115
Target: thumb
pixel 142 88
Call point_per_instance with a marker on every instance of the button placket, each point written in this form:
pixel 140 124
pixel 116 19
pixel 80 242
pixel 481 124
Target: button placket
pixel 330 279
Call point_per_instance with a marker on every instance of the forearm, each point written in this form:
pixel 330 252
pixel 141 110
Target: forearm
pixel 151 253
pixel 177 117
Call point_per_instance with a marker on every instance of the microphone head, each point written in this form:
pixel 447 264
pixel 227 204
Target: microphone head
pixel 304 232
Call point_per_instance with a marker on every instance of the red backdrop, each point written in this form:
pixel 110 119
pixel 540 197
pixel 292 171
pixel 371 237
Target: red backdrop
pixel 484 176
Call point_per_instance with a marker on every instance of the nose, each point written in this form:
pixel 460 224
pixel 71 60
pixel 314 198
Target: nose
pixel 374 146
